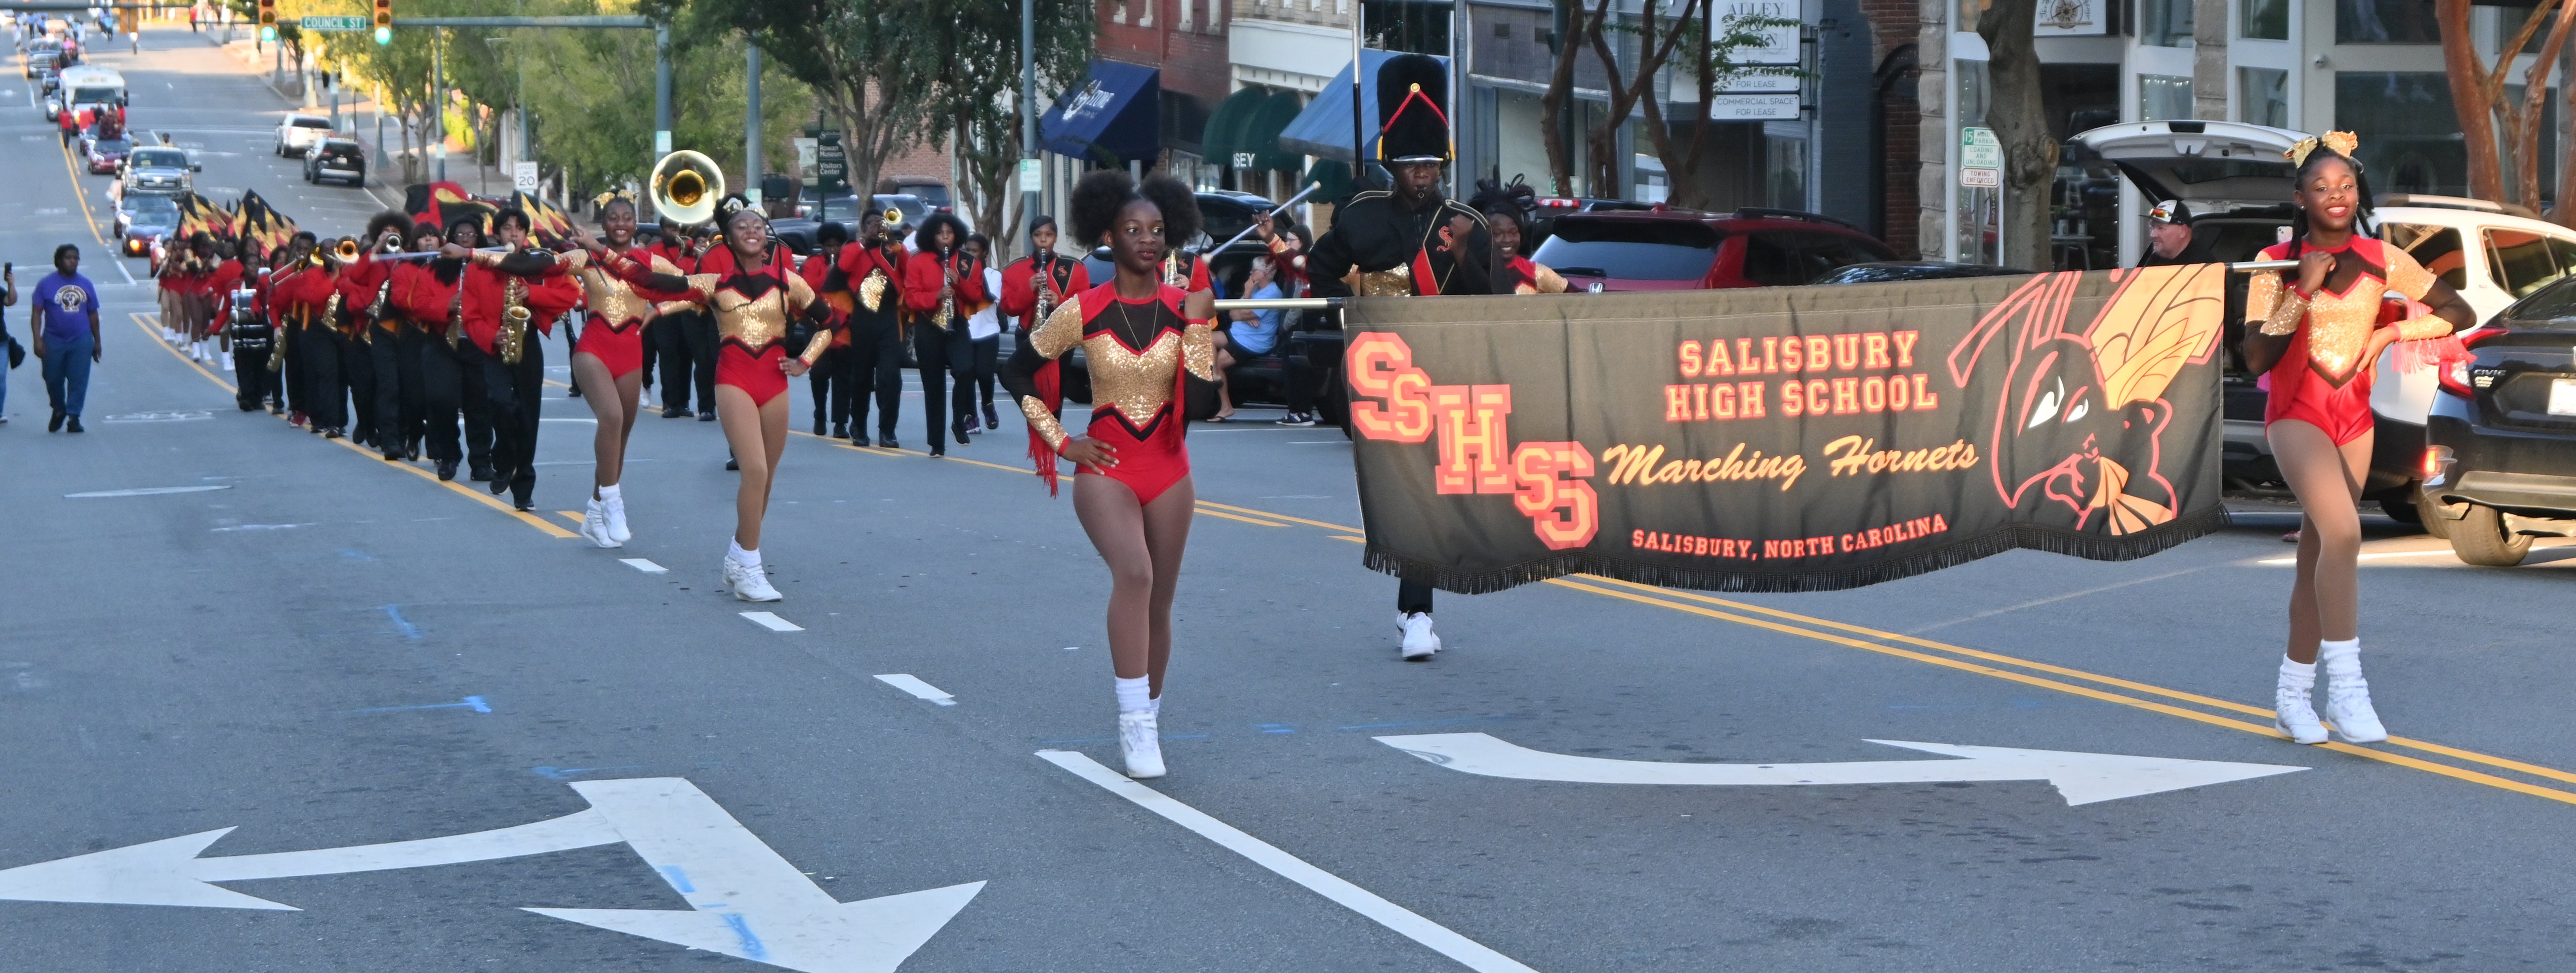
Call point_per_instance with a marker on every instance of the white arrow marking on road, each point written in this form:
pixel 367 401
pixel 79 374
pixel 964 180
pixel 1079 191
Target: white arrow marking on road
pixel 145 491
pixel 912 684
pixel 745 900
pixel 771 621
pixel 168 872
pixel 2083 778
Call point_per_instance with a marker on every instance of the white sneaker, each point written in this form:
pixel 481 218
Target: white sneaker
pixel 2348 705
pixel 1420 642
pixel 2295 717
pixel 748 583
pixel 228 363
pixel 594 527
pixel 614 508
pixel 1142 743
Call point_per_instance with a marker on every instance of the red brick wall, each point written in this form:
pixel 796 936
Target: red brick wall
pixel 1194 62
pixel 1894 24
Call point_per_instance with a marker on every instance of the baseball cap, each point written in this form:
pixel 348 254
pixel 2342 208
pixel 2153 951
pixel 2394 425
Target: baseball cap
pixel 2170 211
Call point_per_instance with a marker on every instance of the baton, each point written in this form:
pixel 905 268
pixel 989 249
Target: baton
pixel 1292 201
pixel 1333 303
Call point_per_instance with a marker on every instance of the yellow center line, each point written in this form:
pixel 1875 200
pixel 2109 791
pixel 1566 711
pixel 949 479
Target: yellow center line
pixel 485 499
pixel 83 199
pixel 1265 513
pixel 1203 508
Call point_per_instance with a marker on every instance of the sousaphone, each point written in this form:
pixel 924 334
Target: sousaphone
pixel 684 188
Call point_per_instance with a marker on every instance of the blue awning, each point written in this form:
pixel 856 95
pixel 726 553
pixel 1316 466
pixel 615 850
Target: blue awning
pixel 1323 130
pixel 1113 116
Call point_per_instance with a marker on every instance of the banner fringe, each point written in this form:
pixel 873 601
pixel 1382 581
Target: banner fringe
pixel 2054 540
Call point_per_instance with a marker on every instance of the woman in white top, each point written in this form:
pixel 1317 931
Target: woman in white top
pixel 986 330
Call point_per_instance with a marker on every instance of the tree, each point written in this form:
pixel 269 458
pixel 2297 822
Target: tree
pixel 2494 127
pixel 2020 122
pixel 1626 86
pixel 1712 45
pixel 977 111
pixel 862 58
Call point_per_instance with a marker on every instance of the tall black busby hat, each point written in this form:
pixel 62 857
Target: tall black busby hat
pixel 1411 92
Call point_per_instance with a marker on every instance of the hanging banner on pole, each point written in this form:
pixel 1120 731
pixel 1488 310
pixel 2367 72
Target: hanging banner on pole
pixel 1786 438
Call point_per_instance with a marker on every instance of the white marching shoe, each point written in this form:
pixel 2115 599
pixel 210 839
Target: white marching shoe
pixel 1142 744
pixel 594 526
pixel 2295 717
pixel 747 582
pixel 1420 642
pixel 228 363
pixel 614 508
pixel 2348 705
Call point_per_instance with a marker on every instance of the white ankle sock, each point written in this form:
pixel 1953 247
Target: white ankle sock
pixel 735 553
pixel 608 492
pixel 2342 660
pixel 2298 675
pixel 1154 705
pixel 1132 695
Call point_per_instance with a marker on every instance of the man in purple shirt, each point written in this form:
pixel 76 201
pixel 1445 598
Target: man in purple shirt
pixel 65 314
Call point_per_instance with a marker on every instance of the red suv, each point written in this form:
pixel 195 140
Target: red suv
pixel 1665 250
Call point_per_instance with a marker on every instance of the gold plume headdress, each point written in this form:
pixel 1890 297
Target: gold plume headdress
pixel 2343 144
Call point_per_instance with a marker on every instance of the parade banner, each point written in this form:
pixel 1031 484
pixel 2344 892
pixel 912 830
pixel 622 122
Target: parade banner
pixel 1786 438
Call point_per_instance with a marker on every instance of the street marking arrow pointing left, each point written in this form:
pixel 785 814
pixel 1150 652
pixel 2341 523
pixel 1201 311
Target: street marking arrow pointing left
pixel 2083 778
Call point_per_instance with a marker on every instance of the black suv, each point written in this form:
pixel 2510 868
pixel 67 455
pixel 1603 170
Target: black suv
pixel 2499 465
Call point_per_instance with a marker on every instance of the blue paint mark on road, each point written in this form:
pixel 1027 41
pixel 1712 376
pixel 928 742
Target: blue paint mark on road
pixel 679 879
pixel 567 773
pixel 1406 723
pixel 1274 728
pixel 751 947
pixel 409 630
pixel 474 703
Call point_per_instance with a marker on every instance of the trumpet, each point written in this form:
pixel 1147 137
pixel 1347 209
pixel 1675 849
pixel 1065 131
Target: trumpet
pixel 514 320
pixel 684 187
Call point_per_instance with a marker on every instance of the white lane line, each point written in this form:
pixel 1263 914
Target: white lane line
pixel 2379 555
pixel 644 565
pixel 144 492
pixel 1474 955
pixel 913 684
pixel 771 621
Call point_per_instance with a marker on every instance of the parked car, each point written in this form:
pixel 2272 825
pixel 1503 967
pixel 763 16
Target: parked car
pixel 1545 210
pixel 157 169
pixel 1225 213
pixel 2237 183
pixel 297 133
pixel 1888 271
pixel 931 191
pixel 798 231
pixel 1670 249
pixel 143 221
pixel 336 159
pixel 107 155
pixel 2499 460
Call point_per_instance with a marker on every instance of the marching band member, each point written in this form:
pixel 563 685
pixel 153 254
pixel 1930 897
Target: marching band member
pixel 304 305
pixel 501 295
pixel 219 286
pixel 375 351
pixel 609 364
pixel 1132 488
pixel 984 332
pixel 450 383
pixel 943 286
pixel 830 378
pixel 1407 242
pixel 1520 274
pixel 753 294
pixel 871 271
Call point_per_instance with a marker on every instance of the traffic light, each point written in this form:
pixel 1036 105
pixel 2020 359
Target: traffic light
pixel 268 20
pixel 384 20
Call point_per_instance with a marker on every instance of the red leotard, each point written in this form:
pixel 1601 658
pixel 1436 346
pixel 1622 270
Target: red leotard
pixel 752 309
pixel 2322 379
pixel 1141 355
pixel 613 329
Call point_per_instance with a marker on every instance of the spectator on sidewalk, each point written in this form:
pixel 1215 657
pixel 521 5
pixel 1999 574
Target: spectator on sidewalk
pixel 65 322
pixel 8 298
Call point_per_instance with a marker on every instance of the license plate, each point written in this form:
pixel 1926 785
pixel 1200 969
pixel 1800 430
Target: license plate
pixel 2562 397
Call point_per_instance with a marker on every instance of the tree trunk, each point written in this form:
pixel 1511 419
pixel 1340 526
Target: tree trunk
pixel 2469 98
pixel 2020 121
pixel 1560 92
pixel 2535 97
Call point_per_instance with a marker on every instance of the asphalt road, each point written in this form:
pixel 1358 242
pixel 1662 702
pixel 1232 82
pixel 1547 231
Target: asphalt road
pixel 323 650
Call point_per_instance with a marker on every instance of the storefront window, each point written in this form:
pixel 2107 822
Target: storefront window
pixel 1785 171
pixel 2410 136
pixel 2163 96
pixel 2263 97
pixel 2164 23
pixel 2263 20
pixel 2385 22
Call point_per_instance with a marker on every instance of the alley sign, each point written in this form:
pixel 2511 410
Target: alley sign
pixel 341 24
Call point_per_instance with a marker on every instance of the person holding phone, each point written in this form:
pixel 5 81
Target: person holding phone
pixel 66 336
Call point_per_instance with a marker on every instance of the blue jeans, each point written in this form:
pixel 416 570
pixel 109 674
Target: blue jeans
pixel 67 373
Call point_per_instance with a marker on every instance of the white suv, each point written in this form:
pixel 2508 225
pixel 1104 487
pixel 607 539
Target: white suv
pixel 298 133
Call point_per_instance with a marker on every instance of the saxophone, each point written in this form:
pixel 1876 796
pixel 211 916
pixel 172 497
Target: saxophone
pixel 872 290
pixel 948 290
pixel 376 309
pixel 1045 281
pixel 514 319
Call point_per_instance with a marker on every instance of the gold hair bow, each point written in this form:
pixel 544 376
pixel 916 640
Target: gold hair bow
pixel 2343 144
pixel 614 194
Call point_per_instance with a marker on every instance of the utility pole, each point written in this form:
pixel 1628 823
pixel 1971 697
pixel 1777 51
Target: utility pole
pixel 661 90
pixel 438 101
pixel 1028 118
pixel 751 123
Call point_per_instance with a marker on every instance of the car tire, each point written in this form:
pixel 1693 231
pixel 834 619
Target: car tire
pixel 2430 512
pixel 2399 505
pixel 2480 539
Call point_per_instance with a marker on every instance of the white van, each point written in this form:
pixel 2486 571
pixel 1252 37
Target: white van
pixel 84 86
